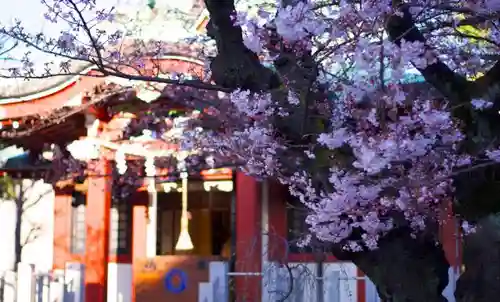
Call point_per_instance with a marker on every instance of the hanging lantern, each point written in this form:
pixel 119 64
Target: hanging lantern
pixel 184 243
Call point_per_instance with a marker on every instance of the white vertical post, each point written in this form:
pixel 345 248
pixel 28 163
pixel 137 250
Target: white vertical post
pixel 9 292
pixel 371 291
pixel 74 282
pixel 332 286
pixel 264 235
pixel 25 289
pixel 151 229
pixel 120 282
pixel 57 286
pixel 219 279
pixel 205 292
pixel 265 221
pixel 42 287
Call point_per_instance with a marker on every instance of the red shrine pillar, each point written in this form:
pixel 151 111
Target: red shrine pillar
pixel 450 236
pixel 97 241
pixel 248 238
pixel 139 225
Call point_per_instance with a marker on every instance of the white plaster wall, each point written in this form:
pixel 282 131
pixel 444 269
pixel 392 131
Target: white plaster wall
pixel 7 222
pixel 39 197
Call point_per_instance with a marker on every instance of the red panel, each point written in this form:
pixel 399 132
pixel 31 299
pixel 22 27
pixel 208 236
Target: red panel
pixel 139 227
pixel 248 237
pixel 62 224
pixel 361 286
pixel 450 236
pixel 113 258
pixel 97 244
pixel 277 222
pixel 139 220
pixel 62 230
pixel 149 277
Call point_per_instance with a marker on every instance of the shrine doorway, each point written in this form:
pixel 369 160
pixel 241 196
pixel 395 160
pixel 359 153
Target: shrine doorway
pixel 209 223
pixel 210 229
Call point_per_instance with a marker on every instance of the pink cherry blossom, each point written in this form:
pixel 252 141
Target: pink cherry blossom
pixel 364 121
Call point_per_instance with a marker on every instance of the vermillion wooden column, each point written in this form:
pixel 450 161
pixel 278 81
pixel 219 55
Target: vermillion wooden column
pixel 62 228
pixel 450 236
pixel 277 211
pixel 248 238
pixel 139 227
pixel 97 242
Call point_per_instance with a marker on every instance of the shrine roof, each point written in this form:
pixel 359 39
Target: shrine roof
pixel 63 124
pixel 19 163
pixel 24 162
pixel 67 123
pixel 16 88
pixel 13 90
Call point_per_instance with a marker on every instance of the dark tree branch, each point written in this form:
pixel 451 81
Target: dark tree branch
pixel 235 66
pixel 33 234
pixel 476 192
pixel 87 30
pixel 453 86
pixel 478 282
pixel 5 51
pixel 490 80
pixel 27 206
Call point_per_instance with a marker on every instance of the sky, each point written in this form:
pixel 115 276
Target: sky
pixel 31 13
pixel 26 10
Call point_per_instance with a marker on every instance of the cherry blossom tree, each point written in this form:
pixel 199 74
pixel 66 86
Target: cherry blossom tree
pixel 376 114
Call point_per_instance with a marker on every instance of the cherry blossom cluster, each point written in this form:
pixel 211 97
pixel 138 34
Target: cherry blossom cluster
pixel 401 165
pixel 390 151
pixel 252 138
pixel 391 145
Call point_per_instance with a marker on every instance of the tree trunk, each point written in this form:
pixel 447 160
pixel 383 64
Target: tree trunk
pixel 481 257
pixel 405 269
